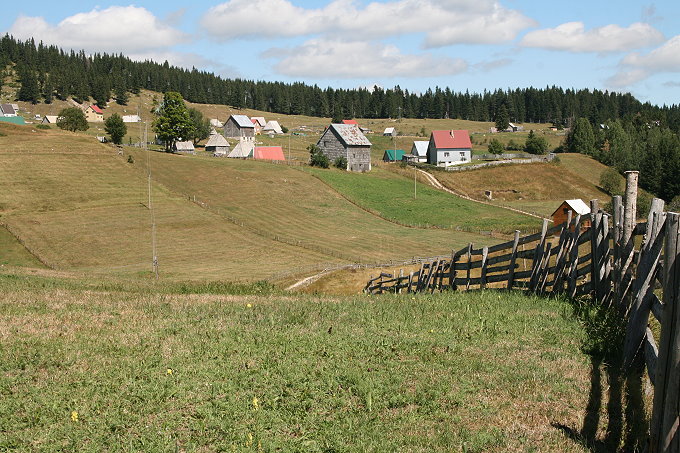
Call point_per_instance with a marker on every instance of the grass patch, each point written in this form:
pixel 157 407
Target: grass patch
pixel 474 372
pixel 392 196
pixel 13 253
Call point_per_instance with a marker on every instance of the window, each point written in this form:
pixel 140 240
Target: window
pixel 446 154
pixel 462 155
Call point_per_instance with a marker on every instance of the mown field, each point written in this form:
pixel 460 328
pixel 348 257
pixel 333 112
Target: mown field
pixel 89 365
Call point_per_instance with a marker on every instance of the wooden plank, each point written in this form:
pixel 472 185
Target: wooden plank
pixel 538 257
pixel 617 234
pixel 452 272
pixel 485 255
pixel 566 241
pixel 574 260
pixel 513 260
pixel 503 268
pixel 595 239
pixel 643 287
pixel 651 355
pixel 663 429
pixel 469 263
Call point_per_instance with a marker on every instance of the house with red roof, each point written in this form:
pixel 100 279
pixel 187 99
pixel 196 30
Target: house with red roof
pixel 350 122
pixel 451 147
pixel 268 153
pixel 94 114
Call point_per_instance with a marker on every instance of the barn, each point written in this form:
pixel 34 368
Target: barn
pixel 218 145
pixel 346 140
pixel 576 206
pixel 449 148
pixel 239 126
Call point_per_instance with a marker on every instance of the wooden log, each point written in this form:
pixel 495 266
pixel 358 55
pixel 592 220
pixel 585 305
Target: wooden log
pixel 485 255
pixel 664 427
pixel 630 209
pixel 657 308
pixel 604 265
pixel 410 282
pixel 452 271
pixel 617 234
pixel 538 257
pixel 469 262
pixel 544 270
pixel 643 288
pixel 574 260
pixel 627 243
pixel 595 218
pixel 651 355
pixel 513 260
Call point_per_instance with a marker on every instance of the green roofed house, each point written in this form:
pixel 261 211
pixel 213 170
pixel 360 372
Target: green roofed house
pixel 393 155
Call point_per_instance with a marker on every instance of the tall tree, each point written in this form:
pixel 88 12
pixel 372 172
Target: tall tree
pixel 200 126
pixel 502 118
pixel 29 91
pixel 581 138
pixel 172 122
pixel 72 119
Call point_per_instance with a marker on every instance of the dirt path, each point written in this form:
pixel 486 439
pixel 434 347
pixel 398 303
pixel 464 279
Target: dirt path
pixel 438 185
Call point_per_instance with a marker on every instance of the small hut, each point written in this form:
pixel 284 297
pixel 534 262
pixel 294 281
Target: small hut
pixel 184 147
pixel 218 145
pixel 393 155
pixel 238 126
pixel 390 132
pixel 243 149
pixel 576 206
pixel 272 127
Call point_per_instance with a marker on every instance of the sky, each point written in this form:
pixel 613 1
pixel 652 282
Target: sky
pixel 476 45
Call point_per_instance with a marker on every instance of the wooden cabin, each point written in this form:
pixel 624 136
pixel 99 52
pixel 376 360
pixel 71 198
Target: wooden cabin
pixel 576 207
pixel 346 140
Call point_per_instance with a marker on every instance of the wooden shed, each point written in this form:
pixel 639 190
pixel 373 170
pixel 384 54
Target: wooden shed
pixel 346 140
pixel 184 147
pixel 218 145
pixel 239 126
pixel 393 155
pixel 576 206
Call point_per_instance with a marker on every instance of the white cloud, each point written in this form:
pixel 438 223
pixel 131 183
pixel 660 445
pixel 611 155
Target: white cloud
pixel 635 67
pixel 444 22
pixel 126 29
pixel 340 59
pixel 486 66
pixel 573 37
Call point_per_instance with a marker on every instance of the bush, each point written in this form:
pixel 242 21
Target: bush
pixel 284 129
pixel 43 126
pixel 535 144
pixel 317 158
pixel 495 147
pixel 341 163
pixel 130 159
pixel 72 119
pixel 674 205
pixel 610 182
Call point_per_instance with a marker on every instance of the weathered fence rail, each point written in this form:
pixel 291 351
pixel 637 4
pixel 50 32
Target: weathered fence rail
pixel 602 261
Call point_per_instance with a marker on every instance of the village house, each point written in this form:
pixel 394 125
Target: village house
pixel 131 119
pixel 577 207
pixel 272 127
pixel 184 147
pixel 244 148
pixel 394 155
pixel 450 147
pixel 256 125
pixel 346 140
pixel 390 132
pixel 94 114
pixel 238 126
pixel 419 150
pixel 218 145
pixel 8 110
pixel 268 153
pixel 214 122
pixel 50 119
pixel 260 120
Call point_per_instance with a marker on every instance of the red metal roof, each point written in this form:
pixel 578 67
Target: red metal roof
pixel 96 109
pixel 269 153
pixel 350 122
pixel 452 139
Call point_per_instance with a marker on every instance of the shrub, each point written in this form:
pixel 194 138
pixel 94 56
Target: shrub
pixel 317 158
pixel 610 181
pixel 674 205
pixel 43 126
pixel 341 163
pixel 72 119
pixel 495 147
pixel 130 159
pixel 284 129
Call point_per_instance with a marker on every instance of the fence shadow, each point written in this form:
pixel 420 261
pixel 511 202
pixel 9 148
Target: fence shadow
pixel 619 394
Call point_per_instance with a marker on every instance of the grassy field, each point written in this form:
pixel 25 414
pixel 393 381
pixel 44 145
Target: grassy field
pixel 392 196
pixel 88 366
pixel 13 253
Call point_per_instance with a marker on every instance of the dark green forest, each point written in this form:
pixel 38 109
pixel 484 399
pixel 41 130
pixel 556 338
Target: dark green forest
pixel 615 128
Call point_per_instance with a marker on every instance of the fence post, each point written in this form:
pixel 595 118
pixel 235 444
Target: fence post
pixel 538 257
pixel 627 244
pixel 595 218
pixel 469 266
pixel 617 232
pixel 665 412
pixel 513 260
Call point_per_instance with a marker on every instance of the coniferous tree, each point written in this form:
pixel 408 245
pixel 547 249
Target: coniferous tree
pixel 172 121
pixel 29 91
pixel 72 119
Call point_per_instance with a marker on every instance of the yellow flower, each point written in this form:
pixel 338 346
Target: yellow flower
pixel 169 371
pixel 249 305
pixel 431 330
pixel 74 416
pixel 256 403
pixel 250 439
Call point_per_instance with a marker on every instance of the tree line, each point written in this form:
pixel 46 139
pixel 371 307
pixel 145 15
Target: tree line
pixel 46 72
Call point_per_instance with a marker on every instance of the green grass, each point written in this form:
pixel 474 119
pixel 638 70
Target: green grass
pixel 12 253
pixel 392 196
pixel 454 372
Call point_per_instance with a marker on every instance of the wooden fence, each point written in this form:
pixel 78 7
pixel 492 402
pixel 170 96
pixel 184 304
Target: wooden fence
pixel 619 262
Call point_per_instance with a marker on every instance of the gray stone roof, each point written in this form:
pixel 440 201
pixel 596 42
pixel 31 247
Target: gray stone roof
pixel 217 140
pixel 243 121
pixel 351 134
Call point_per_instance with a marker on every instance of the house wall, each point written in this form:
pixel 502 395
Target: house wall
pixel 232 130
pixel 358 157
pixel 93 117
pixel 561 214
pixel 446 156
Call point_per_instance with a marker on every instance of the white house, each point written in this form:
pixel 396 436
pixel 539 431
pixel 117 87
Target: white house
pixel 272 127
pixel 244 148
pixel 390 132
pixel 131 119
pixel 449 148
pixel 50 119
pixel 419 150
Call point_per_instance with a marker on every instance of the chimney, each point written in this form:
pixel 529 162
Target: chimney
pixel 451 133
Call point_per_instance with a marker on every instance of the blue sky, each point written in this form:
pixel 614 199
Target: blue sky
pixel 463 44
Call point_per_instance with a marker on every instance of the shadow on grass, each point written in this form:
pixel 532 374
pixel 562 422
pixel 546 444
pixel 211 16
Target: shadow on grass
pixel 626 424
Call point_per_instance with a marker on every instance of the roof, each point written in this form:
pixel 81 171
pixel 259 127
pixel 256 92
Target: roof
pixel 394 154
pixel 454 139
pixel 7 109
pixel 389 130
pixel 96 109
pixel 242 121
pixel 577 205
pixel 260 120
pixel 350 134
pixel 420 147
pixel 184 146
pixel 217 140
pixel 273 126
pixel 214 122
pixel 131 119
pixel 244 148
pixel 350 122
pixel 269 153
pixel 51 119
pixel 13 119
